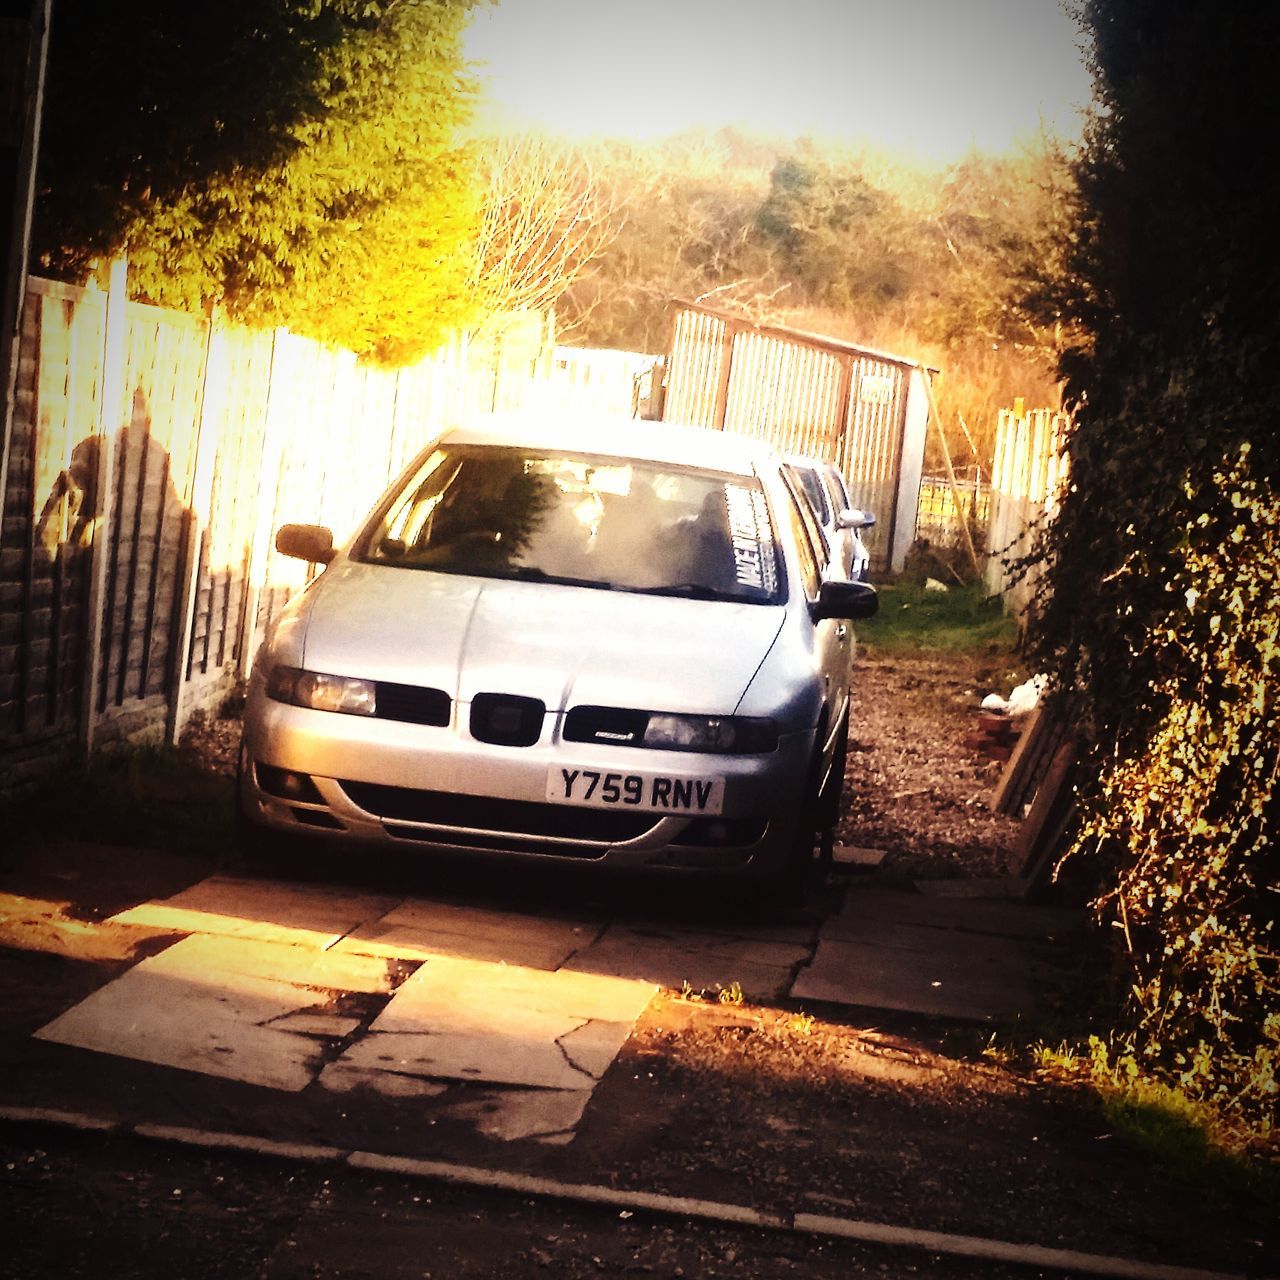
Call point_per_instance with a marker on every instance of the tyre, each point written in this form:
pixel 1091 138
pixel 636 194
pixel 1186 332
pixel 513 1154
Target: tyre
pixel 790 885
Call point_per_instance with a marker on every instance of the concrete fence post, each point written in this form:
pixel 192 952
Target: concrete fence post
pixel 212 388
pixel 111 396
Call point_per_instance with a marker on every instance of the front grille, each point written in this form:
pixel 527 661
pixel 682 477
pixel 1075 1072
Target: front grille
pixel 614 725
pixel 486 814
pixel 506 720
pixel 491 843
pixel 411 703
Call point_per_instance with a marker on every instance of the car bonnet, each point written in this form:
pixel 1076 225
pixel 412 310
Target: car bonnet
pixel 563 645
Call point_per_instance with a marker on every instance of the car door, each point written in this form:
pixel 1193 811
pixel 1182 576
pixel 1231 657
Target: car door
pixel 833 644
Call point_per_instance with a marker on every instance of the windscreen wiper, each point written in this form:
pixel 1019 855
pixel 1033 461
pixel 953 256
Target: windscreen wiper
pixel 531 573
pixel 690 590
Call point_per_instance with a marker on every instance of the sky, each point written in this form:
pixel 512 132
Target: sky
pixel 929 78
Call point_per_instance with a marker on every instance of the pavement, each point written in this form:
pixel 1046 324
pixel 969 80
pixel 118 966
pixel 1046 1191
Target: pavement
pixel 287 986
pixel 463 1037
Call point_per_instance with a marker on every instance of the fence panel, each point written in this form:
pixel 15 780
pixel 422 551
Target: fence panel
pixel 212 437
pixel 153 477
pixel 941 519
pixel 1029 469
pixel 47 520
pixel 232 427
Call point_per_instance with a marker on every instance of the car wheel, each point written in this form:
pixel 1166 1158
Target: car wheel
pixel 789 886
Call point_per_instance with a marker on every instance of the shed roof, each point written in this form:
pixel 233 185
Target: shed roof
pixel 836 346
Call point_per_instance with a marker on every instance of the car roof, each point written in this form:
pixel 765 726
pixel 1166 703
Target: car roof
pixel 615 436
pixel 809 463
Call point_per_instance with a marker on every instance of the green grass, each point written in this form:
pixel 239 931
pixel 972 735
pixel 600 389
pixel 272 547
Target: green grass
pixel 1181 1136
pixel 146 797
pixel 1179 1133
pixel 961 619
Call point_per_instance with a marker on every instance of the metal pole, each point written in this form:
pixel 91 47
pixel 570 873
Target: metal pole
pixel 19 247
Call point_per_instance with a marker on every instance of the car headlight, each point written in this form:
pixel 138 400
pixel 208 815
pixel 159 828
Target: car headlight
pixel 730 735
pixel 322 692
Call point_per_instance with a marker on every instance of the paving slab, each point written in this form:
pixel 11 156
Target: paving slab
pixel 979 887
pixel 548 1116
pixel 178 1009
pixel 304 915
pixel 329 1026
pixel 458 1019
pixel 940 974
pixel 350 1077
pixel 417 929
pixel 532 1062
pixel 673 957
pixel 1001 917
pixel 300 966
pixel 448 988
pixel 941 956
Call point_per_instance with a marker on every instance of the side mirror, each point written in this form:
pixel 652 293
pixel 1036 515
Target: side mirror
pixel 845 600
pixel 310 542
pixel 853 518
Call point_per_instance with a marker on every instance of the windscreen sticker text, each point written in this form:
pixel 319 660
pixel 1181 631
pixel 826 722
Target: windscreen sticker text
pixel 751 536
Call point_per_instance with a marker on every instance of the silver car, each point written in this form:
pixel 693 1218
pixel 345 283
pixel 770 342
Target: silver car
pixel 841 522
pixel 607 643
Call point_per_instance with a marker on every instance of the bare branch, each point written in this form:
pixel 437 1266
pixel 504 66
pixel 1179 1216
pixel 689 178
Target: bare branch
pixel 546 218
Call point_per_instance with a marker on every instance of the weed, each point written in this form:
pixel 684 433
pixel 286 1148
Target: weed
pixel 732 994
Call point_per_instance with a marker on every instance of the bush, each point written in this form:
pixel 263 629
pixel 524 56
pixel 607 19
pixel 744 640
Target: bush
pixel 1190 819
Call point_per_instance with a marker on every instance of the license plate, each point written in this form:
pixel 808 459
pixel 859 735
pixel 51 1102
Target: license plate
pixel 653 792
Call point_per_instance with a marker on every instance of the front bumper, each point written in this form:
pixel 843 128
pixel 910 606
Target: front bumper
pixel 346 778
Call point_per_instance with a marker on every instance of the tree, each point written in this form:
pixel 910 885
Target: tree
pixel 1162 620
pixel 838 236
pixel 292 159
pixel 688 203
pixel 997 232
pixel 547 217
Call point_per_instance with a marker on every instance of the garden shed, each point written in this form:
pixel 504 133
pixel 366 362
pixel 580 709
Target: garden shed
pixel 865 410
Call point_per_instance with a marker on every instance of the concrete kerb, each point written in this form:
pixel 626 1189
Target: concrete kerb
pixel 935 1242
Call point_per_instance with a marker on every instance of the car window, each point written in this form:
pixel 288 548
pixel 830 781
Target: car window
pixel 810 484
pixel 808 541
pixel 602 522
pixel 839 489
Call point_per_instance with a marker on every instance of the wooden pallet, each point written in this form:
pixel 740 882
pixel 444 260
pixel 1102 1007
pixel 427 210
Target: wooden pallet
pixel 1026 768
pixel 1037 785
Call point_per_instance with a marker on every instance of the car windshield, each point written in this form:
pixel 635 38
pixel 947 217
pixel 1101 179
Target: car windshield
pixel 611 523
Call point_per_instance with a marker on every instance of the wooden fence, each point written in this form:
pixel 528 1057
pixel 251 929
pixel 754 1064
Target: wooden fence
pixel 944 510
pixel 151 457
pixel 1029 469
